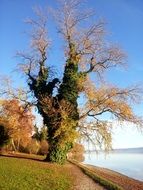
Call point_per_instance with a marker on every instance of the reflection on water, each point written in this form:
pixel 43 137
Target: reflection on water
pixel 130 164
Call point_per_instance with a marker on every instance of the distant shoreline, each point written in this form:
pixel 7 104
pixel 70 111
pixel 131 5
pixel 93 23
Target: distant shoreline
pixel 121 150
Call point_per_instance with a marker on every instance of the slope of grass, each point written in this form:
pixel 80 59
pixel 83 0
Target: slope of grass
pixel 24 174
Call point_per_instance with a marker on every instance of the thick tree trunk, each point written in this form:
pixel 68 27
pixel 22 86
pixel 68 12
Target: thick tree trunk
pixel 60 113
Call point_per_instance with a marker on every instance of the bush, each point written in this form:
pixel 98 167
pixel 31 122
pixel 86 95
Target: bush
pixel 43 147
pixel 77 153
pixel 33 147
pixel 4 137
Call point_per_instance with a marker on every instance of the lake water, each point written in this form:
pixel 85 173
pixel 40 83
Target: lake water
pixel 130 164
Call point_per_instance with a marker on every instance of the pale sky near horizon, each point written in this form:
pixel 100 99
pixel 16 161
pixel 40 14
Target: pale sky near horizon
pixel 125 24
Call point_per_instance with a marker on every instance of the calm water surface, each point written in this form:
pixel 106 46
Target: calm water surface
pixel 130 164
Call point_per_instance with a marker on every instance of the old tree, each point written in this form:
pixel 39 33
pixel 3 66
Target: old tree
pixel 88 56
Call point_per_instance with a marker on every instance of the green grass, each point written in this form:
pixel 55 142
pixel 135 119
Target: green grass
pixel 26 174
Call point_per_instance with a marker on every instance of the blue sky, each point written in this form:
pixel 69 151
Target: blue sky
pixel 125 26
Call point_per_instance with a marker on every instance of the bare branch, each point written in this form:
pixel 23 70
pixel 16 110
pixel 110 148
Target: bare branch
pixel 111 100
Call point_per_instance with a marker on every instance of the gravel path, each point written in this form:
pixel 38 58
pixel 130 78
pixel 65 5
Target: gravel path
pixel 82 181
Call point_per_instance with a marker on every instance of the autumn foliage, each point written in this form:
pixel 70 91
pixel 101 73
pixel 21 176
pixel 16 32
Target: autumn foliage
pixel 18 121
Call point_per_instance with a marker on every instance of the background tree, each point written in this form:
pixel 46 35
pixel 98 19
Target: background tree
pixel 19 122
pixel 87 55
pixel 40 134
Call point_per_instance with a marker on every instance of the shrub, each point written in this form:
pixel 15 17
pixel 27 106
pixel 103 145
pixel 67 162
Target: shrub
pixel 33 147
pixel 4 137
pixel 77 153
pixel 43 147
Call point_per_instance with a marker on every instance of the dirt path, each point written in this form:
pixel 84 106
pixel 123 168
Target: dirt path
pixel 82 181
pixel 117 178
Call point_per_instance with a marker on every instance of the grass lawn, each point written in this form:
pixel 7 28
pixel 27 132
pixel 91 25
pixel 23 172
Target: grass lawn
pixel 26 174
